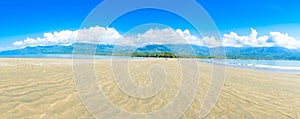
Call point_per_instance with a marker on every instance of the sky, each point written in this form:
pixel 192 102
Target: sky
pixel 241 22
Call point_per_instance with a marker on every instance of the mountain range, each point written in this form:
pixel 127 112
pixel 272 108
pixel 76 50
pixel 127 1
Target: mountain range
pixel 277 53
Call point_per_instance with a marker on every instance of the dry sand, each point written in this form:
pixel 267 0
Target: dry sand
pixel 44 88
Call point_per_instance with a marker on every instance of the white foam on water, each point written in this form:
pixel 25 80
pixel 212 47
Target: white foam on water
pixel 277 67
pixel 259 64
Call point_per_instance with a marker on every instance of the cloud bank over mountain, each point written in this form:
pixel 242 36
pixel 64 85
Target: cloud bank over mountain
pixel 102 35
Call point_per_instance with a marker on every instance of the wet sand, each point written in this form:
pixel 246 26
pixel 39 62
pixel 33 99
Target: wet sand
pixel 44 88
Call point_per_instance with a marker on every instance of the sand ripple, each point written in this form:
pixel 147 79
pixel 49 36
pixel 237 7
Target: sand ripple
pixel 44 88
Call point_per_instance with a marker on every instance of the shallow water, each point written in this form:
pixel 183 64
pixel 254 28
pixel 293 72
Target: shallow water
pixel 271 65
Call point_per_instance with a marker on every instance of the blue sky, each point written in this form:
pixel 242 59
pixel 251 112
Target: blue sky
pixel 32 18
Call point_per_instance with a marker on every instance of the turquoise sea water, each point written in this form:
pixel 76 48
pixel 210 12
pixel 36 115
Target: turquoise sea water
pixel 272 65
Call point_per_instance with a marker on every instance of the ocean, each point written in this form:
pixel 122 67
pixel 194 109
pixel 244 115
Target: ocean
pixel 271 65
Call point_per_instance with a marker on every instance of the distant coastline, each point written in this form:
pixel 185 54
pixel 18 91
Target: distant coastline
pixel 164 50
pixel 151 55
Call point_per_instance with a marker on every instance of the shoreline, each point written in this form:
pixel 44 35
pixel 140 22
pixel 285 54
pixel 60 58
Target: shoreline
pixel 268 68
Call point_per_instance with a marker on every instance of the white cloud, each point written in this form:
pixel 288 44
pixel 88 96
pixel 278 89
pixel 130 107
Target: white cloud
pixel 103 35
pixel 98 35
pixel 67 37
pixel 253 40
pixel 212 42
pixel 233 39
pixel 283 40
pixel 61 38
pixel 158 36
pixel 190 38
pixel 161 36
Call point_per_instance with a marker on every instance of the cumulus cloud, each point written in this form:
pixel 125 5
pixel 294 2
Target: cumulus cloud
pixel 283 40
pixel 162 36
pixel 67 37
pixel 235 40
pixel 98 35
pixel 253 40
pixel 191 39
pixel 101 35
pixel 62 37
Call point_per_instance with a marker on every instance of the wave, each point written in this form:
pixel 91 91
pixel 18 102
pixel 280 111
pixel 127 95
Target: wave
pixel 259 64
pixel 277 67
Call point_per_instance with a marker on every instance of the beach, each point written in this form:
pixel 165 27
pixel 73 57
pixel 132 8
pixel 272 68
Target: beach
pixel 45 88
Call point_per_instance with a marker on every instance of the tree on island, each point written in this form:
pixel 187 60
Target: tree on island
pixel 156 55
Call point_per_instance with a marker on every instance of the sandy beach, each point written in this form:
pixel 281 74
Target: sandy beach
pixel 45 88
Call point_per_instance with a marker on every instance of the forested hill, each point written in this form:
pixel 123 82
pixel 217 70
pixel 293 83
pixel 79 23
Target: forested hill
pixel 276 53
